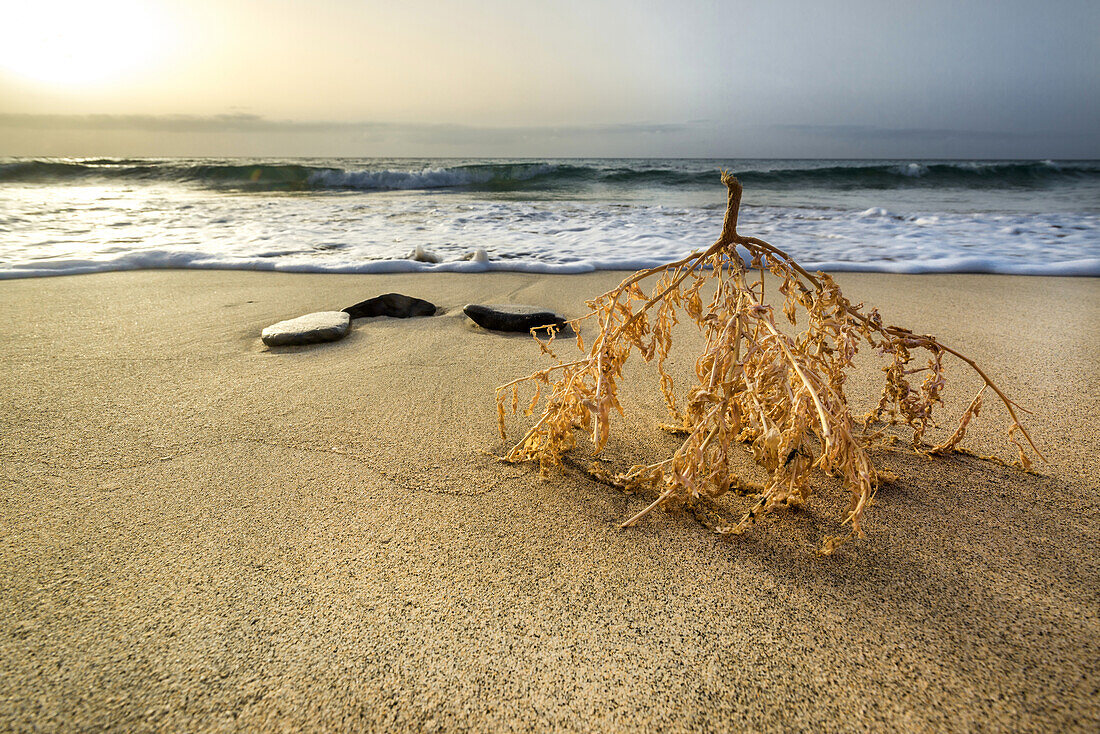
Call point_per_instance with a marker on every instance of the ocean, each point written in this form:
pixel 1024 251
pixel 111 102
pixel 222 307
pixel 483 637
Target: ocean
pixel 65 216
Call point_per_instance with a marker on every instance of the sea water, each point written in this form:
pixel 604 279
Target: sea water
pixel 64 216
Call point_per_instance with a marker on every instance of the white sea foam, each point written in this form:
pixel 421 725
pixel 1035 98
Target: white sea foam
pixel 877 211
pixel 49 230
pixel 914 170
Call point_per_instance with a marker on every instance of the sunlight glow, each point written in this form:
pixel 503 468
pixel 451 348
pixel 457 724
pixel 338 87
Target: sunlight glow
pixel 77 43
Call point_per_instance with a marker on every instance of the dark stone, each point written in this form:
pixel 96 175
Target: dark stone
pixel 511 317
pixel 391 304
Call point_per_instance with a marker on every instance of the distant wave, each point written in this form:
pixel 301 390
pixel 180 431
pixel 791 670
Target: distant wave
pixel 535 175
pixel 275 176
pixel 259 176
pixel 267 176
pixel 481 176
pixel 1023 174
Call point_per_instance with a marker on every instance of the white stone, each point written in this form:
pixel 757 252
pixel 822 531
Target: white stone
pixel 478 256
pixel 420 254
pixel 323 326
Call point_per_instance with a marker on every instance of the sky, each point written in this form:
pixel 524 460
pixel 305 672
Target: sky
pixel 821 79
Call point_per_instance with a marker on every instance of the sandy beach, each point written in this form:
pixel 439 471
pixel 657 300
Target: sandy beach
pixel 199 533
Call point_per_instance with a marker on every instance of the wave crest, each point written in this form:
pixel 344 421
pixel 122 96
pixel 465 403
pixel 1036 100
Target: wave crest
pixel 536 175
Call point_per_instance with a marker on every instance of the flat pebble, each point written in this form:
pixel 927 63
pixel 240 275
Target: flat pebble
pixel 323 326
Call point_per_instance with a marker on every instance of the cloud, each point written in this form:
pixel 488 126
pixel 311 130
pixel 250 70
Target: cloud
pixel 244 134
pixel 868 141
pixel 863 132
pixel 243 122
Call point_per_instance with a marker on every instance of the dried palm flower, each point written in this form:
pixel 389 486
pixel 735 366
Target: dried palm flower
pixel 782 396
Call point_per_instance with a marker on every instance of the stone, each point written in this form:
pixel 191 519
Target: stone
pixel 422 255
pixel 323 326
pixel 478 256
pixel 391 304
pixel 511 316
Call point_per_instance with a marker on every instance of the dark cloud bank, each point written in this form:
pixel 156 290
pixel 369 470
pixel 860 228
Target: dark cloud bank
pixel 253 135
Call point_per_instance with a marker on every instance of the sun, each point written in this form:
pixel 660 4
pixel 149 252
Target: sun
pixel 80 42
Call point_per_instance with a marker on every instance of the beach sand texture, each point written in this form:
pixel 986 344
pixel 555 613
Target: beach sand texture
pixel 198 533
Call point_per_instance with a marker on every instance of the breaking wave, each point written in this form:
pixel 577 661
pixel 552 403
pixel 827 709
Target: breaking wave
pixel 535 175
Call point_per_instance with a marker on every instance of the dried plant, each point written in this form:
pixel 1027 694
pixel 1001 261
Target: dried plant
pixel 782 396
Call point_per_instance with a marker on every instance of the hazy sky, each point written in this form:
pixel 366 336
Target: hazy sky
pixel 874 78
